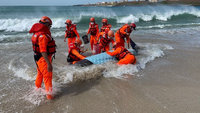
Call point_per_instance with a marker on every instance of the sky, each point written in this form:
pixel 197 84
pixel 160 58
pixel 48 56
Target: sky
pixel 47 2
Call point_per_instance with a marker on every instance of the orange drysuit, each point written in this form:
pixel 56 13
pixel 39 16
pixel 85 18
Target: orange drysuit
pixel 44 75
pixel 123 55
pixel 43 43
pixel 122 33
pixel 93 31
pixel 104 41
pixel 71 33
pixel 74 54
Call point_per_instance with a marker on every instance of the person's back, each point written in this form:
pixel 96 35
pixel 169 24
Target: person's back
pixel 74 52
pixel 124 33
pixel 123 55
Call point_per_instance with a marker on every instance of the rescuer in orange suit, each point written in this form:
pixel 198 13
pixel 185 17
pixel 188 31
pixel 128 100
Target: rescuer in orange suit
pixel 93 31
pixel 105 39
pixel 44 47
pixel 105 25
pixel 124 32
pixel 123 55
pixel 71 32
pixel 74 52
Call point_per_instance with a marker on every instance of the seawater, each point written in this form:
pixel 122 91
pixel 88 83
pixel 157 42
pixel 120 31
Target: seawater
pixel 16 21
pixel 166 23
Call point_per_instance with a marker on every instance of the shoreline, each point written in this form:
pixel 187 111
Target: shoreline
pixel 134 3
pixel 164 83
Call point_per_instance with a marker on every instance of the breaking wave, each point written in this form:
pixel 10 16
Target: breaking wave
pixel 115 15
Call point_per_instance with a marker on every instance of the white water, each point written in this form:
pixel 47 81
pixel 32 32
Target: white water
pixel 20 71
pixel 128 14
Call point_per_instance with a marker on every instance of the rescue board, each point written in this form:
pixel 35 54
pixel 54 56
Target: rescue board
pixel 99 59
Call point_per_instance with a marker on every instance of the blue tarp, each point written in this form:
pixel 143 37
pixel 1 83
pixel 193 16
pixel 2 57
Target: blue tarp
pixel 103 57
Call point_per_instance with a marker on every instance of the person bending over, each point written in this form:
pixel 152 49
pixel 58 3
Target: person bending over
pixel 75 52
pixel 122 54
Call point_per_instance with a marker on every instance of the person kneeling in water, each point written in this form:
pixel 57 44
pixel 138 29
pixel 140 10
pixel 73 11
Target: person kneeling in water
pixel 122 54
pixel 74 52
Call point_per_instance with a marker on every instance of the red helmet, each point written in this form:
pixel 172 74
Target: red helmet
pixel 92 19
pixel 133 25
pixel 68 22
pixel 104 20
pixel 46 19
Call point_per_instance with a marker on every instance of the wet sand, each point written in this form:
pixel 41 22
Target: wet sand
pixel 168 85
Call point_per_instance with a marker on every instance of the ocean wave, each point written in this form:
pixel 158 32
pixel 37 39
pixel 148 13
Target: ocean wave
pixel 14 38
pixel 62 33
pixel 21 25
pixel 16 24
pixel 114 15
pixel 22 72
pixel 128 19
pixel 162 17
pixel 151 52
pixel 160 26
pixel 2 37
pixel 162 13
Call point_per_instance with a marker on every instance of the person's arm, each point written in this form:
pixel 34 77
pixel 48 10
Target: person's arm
pixel 115 52
pixel 49 68
pixel 88 30
pixel 43 41
pixel 99 37
pixel 100 42
pixel 112 41
pixel 128 41
pixel 75 31
pixel 101 29
pixel 123 30
pixel 97 30
pixel 84 50
pixel 76 53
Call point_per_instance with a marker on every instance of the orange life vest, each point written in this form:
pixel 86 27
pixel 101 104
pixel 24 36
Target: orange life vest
pixel 122 53
pixel 93 28
pixel 70 31
pixel 71 56
pixel 106 26
pixel 51 46
pixel 104 40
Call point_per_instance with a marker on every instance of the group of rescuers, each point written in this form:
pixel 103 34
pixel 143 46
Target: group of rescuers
pixel 44 46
